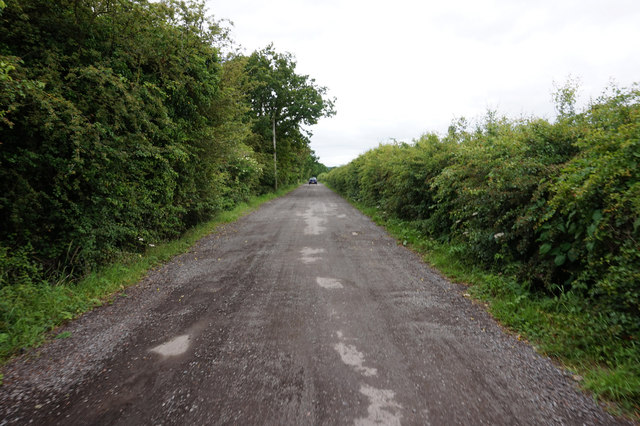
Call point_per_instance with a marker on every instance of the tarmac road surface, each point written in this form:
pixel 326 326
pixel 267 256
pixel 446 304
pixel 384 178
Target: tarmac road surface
pixel 301 313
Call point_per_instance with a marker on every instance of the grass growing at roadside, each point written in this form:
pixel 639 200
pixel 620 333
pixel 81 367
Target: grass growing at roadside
pixel 562 327
pixel 29 311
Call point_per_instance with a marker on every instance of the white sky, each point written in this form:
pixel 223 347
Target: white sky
pixel 400 68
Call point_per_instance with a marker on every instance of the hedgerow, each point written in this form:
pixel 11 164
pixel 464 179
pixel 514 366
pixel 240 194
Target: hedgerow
pixel 555 204
pixel 122 125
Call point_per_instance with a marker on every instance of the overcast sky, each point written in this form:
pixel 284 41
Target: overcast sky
pixel 400 68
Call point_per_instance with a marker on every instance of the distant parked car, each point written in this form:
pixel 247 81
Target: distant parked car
pixel 313 180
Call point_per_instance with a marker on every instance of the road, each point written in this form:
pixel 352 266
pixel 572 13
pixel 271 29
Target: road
pixel 301 313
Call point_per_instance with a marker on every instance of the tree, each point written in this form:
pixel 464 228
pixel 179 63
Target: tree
pixel 283 101
pixel 120 123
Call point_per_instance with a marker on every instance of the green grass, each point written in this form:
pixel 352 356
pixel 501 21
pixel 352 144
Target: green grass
pixel 29 311
pixel 564 327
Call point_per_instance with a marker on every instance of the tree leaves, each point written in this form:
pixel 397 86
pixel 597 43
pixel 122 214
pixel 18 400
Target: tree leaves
pixel 123 120
pixel 278 93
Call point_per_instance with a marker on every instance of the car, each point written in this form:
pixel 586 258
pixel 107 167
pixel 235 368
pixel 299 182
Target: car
pixel 313 180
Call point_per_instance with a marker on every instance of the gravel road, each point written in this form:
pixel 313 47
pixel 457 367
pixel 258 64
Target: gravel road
pixel 301 313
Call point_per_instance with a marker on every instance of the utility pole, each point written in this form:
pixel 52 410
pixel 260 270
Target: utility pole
pixel 275 163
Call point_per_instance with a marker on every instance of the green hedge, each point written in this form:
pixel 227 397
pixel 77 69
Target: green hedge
pixel 558 203
pixel 123 124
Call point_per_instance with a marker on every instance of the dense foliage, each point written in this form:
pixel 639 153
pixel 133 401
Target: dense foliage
pixel 124 123
pixel 557 204
pixel 283 101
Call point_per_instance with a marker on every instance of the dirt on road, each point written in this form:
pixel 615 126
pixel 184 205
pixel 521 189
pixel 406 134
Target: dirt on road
pixel 301 313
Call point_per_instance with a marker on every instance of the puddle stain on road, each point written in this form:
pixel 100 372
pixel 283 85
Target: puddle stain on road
pixel 176 346
pixel 314 223
pixel 354 358
pixel 315 217
pixel 308 255
pixel 330 283
pixel 380 400
pixel 382 409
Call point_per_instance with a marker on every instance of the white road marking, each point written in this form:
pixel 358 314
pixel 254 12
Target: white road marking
pixel 380 400
pixel 174 347
pixel 328 282
pixel 354 358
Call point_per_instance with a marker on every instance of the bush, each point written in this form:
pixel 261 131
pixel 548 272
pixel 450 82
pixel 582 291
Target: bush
pixel 560 202
pixel 592 226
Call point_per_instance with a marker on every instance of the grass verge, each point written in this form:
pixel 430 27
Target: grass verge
pixel 29 312
pixel 564 327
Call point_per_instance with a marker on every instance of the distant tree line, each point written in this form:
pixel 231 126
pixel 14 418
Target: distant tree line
pixel 556 203
pixel 125 122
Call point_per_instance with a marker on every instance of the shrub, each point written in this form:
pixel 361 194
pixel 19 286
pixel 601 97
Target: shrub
pixel 558 201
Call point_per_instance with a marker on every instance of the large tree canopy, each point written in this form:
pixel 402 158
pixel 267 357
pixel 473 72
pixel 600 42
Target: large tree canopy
pixel 286 101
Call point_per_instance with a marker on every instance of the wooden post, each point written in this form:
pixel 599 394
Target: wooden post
pixel 275 163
